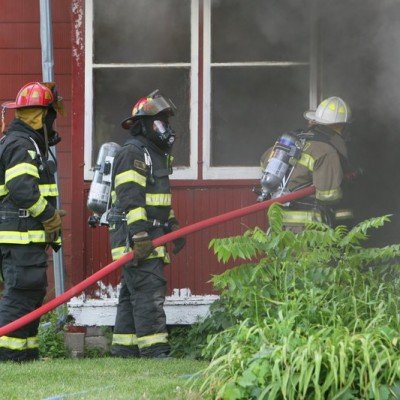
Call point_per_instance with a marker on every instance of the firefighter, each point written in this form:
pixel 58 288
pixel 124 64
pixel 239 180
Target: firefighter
pixel 322 162
pixel 29 220
pixel 141 211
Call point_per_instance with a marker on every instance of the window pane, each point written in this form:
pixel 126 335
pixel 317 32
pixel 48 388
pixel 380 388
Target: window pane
pixel 116 91
pixel 260 30
pixel 141 31
pixel 251 107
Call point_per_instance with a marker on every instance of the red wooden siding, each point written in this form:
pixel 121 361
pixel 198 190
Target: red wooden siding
pixel 20 55
pixel 194 266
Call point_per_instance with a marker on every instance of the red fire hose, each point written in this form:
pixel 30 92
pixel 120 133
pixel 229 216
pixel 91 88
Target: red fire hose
pixel 64 297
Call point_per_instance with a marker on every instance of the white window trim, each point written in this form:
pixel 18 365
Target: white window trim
pixel 228 172
pixel 89 158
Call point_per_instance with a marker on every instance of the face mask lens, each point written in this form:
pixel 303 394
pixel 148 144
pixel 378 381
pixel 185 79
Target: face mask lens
pixel 159 126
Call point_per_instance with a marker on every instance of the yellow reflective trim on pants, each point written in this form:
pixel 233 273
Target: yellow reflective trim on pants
pixel 171 214
pixel 50 189
pixel 146 341
pixel 344 214
pixel 113 197
pixel 136 214
pixel 328 195
pixel 307 161
pixel 130 176
pixel 21 169
pixel 32 342
pixel 158 199
pixel 118 252
pixel 12 343
pixel 38 207
pixel 124 339
pixel 3 190
pixel 160 252
pixel 16 237
pixel 301 217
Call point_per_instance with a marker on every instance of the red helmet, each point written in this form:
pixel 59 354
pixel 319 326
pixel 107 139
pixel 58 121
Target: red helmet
pixel 149 106
pixel 37 94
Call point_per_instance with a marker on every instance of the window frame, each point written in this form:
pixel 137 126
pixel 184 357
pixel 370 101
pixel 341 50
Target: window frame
pixel 180 172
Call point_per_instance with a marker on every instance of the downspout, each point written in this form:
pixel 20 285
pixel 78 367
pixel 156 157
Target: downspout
pixel 46 39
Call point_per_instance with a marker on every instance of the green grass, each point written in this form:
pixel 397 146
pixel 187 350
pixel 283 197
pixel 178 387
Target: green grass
pixel 100 379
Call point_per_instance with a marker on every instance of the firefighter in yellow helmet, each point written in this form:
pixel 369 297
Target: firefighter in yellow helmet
pixel 29 220
pixel 318 156
pixel 141 212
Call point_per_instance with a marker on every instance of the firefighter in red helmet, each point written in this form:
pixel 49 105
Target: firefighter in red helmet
pixel 29 220
pixel 141 212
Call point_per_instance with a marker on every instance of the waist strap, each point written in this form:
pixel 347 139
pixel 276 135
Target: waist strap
pixel 21 213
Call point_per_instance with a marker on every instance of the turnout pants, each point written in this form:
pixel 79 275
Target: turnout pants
pixel 25 282
pixel 140 326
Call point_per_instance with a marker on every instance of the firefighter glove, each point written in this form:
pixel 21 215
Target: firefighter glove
pixel 142 245
pixel 53 225
pixel 179 243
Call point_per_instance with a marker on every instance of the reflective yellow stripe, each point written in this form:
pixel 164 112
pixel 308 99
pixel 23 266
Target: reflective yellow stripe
pixel 135 215
pixel 160 252
pixel 158 199
pixel 171 214
pixel 38 207
pixel 344 214
pixel 329 195
pixel 113 197
pixel 118 252
pixel 15 237
pixel 12 343
pixel 3 190
pixel 48 189
pixel 301 217
pixel 32 342
pixel 307 161
pixel 21 169
pixel 146 341
pixel 130 176
pixel 124 339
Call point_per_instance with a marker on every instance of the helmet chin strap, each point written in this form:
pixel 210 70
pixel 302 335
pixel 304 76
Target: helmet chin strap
pixel 3 124
pixel 46 138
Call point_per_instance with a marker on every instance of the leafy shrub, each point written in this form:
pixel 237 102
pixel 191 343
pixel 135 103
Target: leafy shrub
pixel 51 336
pixel 316 316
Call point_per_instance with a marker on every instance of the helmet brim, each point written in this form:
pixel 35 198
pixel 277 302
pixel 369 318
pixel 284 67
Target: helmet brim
pixel 311 116
pixel 10 104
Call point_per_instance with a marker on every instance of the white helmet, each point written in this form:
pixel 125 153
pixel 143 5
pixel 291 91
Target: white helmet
pixel 331 111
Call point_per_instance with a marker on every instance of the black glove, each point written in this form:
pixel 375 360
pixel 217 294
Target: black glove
pixel 142 246
pixel 179 243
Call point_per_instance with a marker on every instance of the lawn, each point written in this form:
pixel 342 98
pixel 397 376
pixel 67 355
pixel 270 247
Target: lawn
pixel 101 378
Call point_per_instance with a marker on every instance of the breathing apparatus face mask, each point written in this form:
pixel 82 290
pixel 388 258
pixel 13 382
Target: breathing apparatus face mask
pixel 52 135
pixel 160 133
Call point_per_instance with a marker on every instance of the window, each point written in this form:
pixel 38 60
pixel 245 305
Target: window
pixel 133 48
pixel 256 68
pixel 257 78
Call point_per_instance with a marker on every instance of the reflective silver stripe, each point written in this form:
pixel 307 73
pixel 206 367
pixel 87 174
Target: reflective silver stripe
pixel 48 189
pixel 146 341
pixel 158 199
pixel 21 169
pixel 124 339
pixel 3 190
pixel 16 237
pixel 344 214
pixel 136 214
pixel 118 252
pixel 329 195
pixel 32 342
pixel 38 207
pixel 130 176
pixel 301 217
pixel 307 161
pixel 12 343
